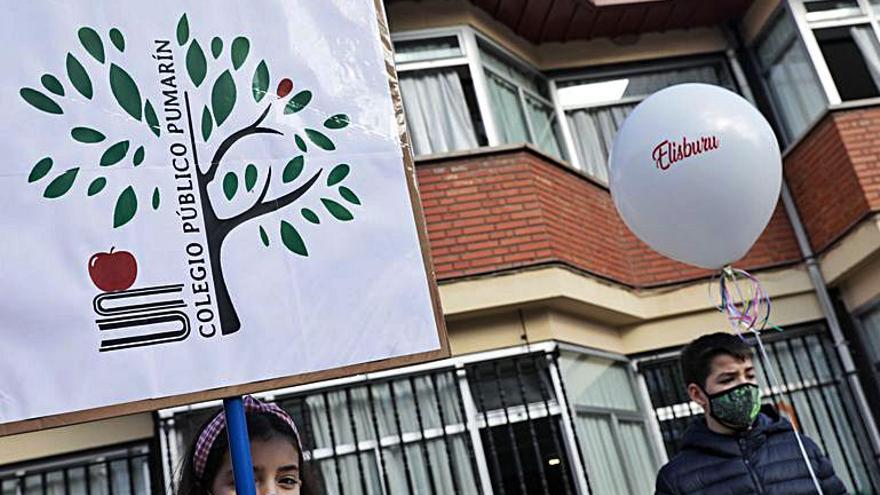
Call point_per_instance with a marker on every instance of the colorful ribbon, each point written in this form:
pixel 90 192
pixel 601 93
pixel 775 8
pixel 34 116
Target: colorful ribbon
pixel 744 302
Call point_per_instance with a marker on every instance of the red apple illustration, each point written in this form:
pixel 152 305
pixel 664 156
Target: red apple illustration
pixel 284 87
pixel 111 271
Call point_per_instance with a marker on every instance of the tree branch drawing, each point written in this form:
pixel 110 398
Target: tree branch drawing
pixel 223 98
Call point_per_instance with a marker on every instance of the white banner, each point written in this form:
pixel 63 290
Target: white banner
pixel 195 195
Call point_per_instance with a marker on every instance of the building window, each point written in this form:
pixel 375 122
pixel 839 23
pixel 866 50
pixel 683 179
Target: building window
pixel 853 57
pixel 114 471
pixel 870 327
pixel 846 35
pixel 520 102
pixel 438 95
pixel 611 426
pixel 596 106
pixel 447 105
pixel 789 77
pixel 521 425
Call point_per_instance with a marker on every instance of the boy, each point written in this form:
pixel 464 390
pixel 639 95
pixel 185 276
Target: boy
pixel 738 447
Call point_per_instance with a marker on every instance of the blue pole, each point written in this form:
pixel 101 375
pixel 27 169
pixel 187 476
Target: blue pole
pixel 239 446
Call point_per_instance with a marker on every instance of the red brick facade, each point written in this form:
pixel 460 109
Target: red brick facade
pixel 502 210
pixel 834 174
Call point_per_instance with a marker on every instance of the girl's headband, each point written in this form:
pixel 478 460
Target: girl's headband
pixel 218 424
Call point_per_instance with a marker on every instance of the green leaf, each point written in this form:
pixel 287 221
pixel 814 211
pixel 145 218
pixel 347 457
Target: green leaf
pixel 264 237
pixel 300 143
pixel 338 173
pixel 91 41
pixel 126 207
pixel 156 198
pixel 61 184
pixel 52 83
pixel 293 168
pixel 240 48
pixel 250 177
pixel 114 154
pixel 152 120
pixel 138 156
pixel 40 101
pixel 117 39
pixel 182 30
pixel 223 97
pixel 292 240
pixel 86 135
pixel 79 77
pixel 207 124
pixel 260 85
pixel 97 186
pixel 40 169
pixel 298 102
pixel 126 91
pixel 349 195
pixel 216 46
pixel 321 140
pixel 338 211
pixel 310 215
pixel 196 65
pixel 230 185
pixel 337 121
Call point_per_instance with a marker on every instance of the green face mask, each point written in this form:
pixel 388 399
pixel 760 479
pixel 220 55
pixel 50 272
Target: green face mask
pixel 736 407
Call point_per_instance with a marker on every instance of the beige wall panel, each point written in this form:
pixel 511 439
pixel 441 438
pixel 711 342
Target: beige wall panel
pixel 68 439
pixel 681 330
pixel 863 286
pixel 850 253
pixel 756 18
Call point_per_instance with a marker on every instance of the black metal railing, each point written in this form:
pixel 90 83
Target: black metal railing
pixel 119 473
pixel 814 393
pixel 428 432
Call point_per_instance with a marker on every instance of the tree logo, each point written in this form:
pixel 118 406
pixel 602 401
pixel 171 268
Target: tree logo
pixel 99 72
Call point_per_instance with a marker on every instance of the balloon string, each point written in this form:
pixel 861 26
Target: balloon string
pixel 747 306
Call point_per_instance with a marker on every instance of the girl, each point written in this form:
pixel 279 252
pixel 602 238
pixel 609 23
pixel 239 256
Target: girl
pixel 276 450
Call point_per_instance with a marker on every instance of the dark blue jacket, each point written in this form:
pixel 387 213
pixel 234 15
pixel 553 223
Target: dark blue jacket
pixel 765 460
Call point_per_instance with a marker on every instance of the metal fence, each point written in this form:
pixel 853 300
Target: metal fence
pixel 118 472
pixel 814 394
pixel 466 428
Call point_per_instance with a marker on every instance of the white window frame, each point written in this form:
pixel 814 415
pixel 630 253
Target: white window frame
pixel 642 415
pixel 656 65
pixel 469 40
pixel 522 92
pixel 763 73
pixel 807 23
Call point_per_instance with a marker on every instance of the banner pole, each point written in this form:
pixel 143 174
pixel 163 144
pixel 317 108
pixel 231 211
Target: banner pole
pixel 239 446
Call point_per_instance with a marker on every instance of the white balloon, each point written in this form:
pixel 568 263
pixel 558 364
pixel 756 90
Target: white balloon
pixel 696 173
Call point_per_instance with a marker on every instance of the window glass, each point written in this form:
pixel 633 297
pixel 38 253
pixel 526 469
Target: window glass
pixel 426 49
pixel 441 111
pixel 789 77
pixel 596 107
pixel 853 57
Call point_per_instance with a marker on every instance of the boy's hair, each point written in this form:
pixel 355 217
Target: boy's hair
pixel 696 357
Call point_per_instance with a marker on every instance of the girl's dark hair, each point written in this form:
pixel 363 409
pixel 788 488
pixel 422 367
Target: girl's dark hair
pixel 261 426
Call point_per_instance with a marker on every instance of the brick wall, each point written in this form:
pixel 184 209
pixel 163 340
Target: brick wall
pixel 834 174
pixel 511 209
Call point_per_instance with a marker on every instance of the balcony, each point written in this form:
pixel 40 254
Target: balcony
pixel 507 208
pixel 834 173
